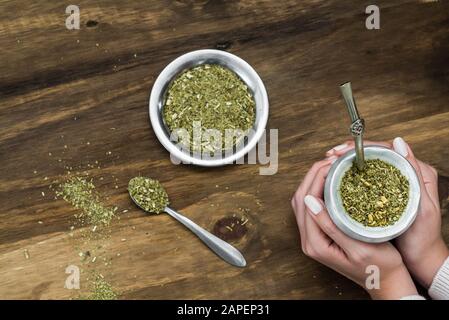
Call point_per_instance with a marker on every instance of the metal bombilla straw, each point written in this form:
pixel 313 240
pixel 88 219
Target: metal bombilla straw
pixel 357 124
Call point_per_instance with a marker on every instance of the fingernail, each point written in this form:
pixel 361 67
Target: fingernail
pixel 332 159
pixel 400 146
pixel 340 147
pixel 312 203
pixel 337 148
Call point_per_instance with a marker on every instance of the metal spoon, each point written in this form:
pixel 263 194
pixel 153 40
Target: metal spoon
pixel 357 124
pixel 223 249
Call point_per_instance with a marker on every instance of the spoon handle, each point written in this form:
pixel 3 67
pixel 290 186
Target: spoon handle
pixel 357 124
pixel 220 247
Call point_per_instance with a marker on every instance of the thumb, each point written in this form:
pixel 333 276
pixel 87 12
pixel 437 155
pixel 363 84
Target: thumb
pixel 315 207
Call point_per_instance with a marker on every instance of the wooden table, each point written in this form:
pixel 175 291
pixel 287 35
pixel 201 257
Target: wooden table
pixel 69 98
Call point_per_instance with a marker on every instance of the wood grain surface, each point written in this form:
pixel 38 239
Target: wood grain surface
pixel 72 98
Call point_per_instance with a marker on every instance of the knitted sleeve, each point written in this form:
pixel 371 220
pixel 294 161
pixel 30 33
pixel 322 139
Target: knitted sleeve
pixel 439 289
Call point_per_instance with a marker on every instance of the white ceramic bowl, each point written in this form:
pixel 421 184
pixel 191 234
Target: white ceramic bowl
pixel 355 229
pixel 190 60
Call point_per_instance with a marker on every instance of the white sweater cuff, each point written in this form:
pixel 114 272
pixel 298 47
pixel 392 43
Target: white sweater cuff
pixel 439 289
pixel 413 297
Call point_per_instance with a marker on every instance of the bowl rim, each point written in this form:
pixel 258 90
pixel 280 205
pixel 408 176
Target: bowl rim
pixel 375 234
pixel 160 85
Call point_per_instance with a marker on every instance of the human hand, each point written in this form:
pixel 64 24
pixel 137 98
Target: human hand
pixel 422 246
pixel 323 241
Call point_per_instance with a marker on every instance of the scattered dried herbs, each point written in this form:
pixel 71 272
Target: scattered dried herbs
pixel 213 97
pixel 376 196
pixel 102 290
pixel 149 194
pixel 82 195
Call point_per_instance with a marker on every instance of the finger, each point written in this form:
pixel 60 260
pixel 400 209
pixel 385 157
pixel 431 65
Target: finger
pixel 321 247
pixel 298 197
pixel 315 208
pixel 348 145
pixel 316 188
pixel 344 146
pixel 430 177
pixel 316 238
pixel 318 244
pixel 401 147
pixel 299 210
pixel 316 241
pixel 310 175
